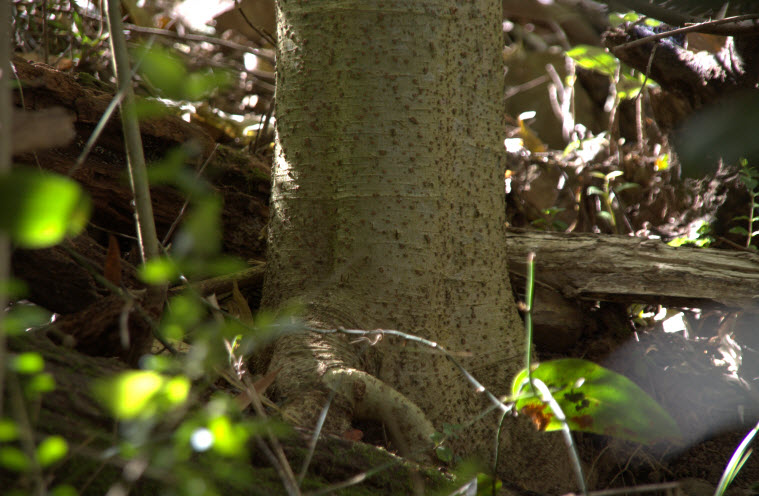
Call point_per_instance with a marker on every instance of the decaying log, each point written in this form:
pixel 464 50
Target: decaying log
pixel 627 269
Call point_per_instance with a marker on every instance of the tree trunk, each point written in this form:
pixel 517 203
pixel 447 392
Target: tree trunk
pixel 388 212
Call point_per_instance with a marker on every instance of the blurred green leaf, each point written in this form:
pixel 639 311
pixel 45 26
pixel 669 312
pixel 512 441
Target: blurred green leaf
pixel 605 216
pixel 8 430
pixel 27 363
pixel 625 186
pixel 159 270
pixel 228 439
pixel 594 399
pixel 22 317
pixel 51 450
pixel 13 288
pixel 167 73
pixel 141 394
pixel 150 108
pixel 199 85
pixel 63 490
pixel 184 312
pixel 39 209
pixel 163 70
pixel 444 454
pixel 201 230
pixel 13 459
pixel 39 384
pixel 594 58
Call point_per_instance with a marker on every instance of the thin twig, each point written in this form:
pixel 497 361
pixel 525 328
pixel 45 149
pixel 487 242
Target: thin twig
pixel 315 437
pixel 291 485
pixel 687 29
pixel 174 224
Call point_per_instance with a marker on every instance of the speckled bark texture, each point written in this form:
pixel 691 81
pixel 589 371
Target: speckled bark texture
pixel 387 212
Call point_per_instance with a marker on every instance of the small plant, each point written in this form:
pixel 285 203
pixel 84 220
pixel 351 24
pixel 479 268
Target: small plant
pixel 549 220
pixel 608 193
pixel 699 235
pixel 750 177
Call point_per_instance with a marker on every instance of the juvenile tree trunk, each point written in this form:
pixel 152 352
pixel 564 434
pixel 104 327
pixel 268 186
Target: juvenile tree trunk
pixel 388 212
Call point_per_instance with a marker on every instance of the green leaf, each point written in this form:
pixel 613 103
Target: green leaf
pixel 444 454
pixel 594 190
pixel 39 209
pixel 52 449
pixel 625 186
pixel 739 230
pixel 39 384
pixel 159 270
pixel 141 394
pixel 63 490
pixel 613 174
pixel 163 70
pixel 22 317
pixel 605 216
pixel 594 58
pixel 8 430
pixel 228 439
pixel 595 399
pixel 168 74
pixel 13 459
pixel 27 363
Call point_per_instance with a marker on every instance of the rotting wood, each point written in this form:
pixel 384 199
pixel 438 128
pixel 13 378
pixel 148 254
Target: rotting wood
pixel 627 269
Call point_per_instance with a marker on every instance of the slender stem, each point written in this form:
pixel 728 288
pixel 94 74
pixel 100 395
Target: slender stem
pixel 138 176
pixel 529 291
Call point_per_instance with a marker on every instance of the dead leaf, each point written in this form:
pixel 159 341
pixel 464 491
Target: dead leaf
pixel 243 399
pixel 112 264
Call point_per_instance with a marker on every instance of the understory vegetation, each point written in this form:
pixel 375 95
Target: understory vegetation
pixel 135 180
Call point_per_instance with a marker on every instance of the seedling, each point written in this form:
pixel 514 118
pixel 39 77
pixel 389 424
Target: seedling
pixel 750 177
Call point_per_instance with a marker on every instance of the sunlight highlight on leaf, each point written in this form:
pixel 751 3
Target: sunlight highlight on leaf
pixel 141 394
pixel 229 439
pixel 39 210
pixel 52 449
pixel 594 399
pixel 28 363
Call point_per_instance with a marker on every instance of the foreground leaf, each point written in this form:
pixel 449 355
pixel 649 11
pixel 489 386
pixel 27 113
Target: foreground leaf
pixel 141 394
pixel 39 209
pixel 594 399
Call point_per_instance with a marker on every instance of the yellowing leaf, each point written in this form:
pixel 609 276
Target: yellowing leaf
pixel 530 140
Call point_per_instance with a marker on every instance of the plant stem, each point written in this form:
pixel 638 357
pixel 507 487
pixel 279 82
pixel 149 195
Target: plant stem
pixel 138 176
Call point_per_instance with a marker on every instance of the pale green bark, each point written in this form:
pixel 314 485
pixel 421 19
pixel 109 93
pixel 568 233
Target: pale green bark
pixel 388 207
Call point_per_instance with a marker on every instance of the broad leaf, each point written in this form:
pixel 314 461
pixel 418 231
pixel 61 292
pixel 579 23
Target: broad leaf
pixel 39 209
pixel 594 399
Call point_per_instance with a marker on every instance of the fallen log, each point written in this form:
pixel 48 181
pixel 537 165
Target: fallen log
pixel 627 269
